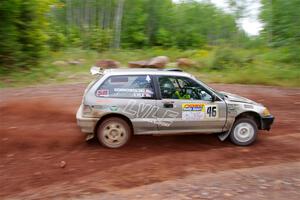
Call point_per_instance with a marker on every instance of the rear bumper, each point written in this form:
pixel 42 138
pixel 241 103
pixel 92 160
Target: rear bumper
pixel 266 122
pixel 87 125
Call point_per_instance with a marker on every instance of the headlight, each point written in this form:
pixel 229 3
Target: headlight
pixel 266 112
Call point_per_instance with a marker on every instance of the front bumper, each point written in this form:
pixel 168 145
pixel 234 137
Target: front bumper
pixel 87 125
pixel 266 122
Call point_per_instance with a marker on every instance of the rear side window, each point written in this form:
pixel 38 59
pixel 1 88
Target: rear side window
pixel 133 86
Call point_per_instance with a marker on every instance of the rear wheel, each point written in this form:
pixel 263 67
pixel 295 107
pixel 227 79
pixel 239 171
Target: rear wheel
pixel 244 132
pixel 114 132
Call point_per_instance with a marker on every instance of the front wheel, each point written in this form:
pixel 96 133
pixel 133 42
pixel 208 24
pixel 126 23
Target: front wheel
pixel 114 132
pixel 244 132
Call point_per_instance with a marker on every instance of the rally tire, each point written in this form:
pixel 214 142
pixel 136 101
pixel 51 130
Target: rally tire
pixel 114 133
pixel 244 132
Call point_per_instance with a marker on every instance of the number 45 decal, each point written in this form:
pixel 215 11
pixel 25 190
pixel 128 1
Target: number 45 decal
pixel 211 111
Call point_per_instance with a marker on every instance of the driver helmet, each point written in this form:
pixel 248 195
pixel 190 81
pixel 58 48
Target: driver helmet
pixel 167 88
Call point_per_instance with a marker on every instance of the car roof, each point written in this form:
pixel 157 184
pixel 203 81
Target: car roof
pixel 149 71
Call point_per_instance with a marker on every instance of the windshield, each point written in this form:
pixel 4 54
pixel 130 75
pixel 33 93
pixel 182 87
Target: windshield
pixel 215 91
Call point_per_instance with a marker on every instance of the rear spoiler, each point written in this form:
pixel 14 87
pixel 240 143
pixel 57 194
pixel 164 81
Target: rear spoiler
pixel 96 70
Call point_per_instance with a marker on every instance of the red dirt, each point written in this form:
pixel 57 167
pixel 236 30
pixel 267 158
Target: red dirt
pixel 38 130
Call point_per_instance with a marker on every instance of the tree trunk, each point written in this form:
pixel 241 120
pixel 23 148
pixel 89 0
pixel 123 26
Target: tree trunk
pixel 69 12
pixel 118 24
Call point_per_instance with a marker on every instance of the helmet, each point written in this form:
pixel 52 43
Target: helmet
pixel 167 87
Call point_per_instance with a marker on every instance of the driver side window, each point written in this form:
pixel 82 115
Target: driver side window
pixel 182 88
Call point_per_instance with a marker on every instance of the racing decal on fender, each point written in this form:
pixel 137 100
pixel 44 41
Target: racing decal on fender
pixel 147 112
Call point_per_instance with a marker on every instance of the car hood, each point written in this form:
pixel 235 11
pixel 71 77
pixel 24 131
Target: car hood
pixel 236 98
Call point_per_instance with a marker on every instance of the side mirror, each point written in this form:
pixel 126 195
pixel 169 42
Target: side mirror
pixel 214 98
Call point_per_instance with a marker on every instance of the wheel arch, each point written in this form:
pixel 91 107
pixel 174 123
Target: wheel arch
pixel 109 115
pixel 252 115
pixel 247 114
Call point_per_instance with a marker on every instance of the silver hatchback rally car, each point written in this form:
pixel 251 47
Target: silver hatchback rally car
pixel 120 103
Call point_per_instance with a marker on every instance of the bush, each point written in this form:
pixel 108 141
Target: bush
pixel 73 36
pixel 56 40
pixel 228 58
pixel 23 38
pixel 164 38
pixel 289 54
pixel 98 39
pixel 223 58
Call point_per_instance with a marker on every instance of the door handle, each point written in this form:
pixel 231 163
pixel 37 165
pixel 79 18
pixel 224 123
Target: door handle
pixel 168 104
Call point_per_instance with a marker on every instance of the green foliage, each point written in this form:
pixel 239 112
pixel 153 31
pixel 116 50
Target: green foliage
pixel 74 37
pixel 164 38
pixel 282 22
pixel 223 58
pixel 185 25
pixel 98 39
pixel 22 29
pixel 226 57
pixel 9 45
pixel 263 74
pixel 57 39
pixel 133 23
pixel 260 70
pixel 32 37
pixel 200 23
pixel 289 54
pixel 197 30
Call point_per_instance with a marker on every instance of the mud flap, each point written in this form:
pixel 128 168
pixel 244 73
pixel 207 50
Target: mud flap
pixel 90 136
pixel 223 136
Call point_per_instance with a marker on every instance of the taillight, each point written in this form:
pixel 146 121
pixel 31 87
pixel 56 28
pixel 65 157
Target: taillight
pixel 86 109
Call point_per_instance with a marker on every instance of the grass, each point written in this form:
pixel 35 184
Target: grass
pixel 233 66
pixel 259 75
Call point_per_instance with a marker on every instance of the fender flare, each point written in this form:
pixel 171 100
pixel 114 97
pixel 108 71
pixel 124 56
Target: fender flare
pixel 92 135
pixel 224 135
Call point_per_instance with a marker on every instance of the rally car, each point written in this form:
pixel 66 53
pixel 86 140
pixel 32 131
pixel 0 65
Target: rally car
pixel 121 103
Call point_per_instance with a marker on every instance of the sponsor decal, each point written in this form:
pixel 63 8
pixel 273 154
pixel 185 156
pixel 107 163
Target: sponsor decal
pixel 113 108
pixel 148 78
pixel 193 107
pixel 136 92
pixel 198 111
pixel 102 93
pixel 193 111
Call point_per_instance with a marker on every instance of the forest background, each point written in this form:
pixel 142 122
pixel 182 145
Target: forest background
pixel 54 41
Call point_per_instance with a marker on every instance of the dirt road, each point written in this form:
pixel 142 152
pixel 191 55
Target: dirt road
pixel 44 155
